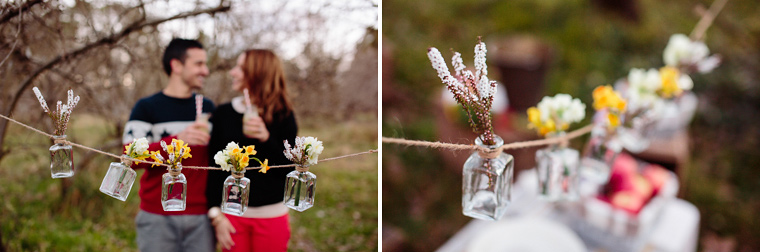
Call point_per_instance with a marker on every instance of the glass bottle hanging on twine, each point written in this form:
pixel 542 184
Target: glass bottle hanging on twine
pixel 61 158
pixel 235 194
pixel 299 189
pixel 598 156
pixel 487 181
pixel 174 189
pixel 119 179
pixel 557 168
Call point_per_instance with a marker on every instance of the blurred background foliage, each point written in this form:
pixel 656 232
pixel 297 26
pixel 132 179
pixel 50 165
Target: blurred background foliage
pixel 591 43
pixel 108 52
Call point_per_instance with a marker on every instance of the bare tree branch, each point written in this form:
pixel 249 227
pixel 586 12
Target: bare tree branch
pixel 14 12
pixel 18 31
pixel 113 38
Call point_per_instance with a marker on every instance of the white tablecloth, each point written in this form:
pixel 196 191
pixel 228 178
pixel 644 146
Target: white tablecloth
pixel 676 230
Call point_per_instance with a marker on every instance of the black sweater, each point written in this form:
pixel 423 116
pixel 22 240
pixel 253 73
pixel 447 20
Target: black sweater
pixel 266 188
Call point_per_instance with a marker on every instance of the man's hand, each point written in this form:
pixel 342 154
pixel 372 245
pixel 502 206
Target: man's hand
pixel 195 134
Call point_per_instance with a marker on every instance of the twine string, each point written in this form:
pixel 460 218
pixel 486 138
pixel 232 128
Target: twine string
pixel 302 169
pixel 124 157
pixel 485 151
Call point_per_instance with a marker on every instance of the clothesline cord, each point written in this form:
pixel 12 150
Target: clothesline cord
pixel 516 145
pixel 165 165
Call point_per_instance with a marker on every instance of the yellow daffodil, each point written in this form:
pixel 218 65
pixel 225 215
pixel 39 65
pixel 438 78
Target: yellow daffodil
pixel 156 155
pixel 265 166
pixel 606 97
pixel 543 128
pixel 244 161
pixel 669 76
pixel 614 120
pixel 250 150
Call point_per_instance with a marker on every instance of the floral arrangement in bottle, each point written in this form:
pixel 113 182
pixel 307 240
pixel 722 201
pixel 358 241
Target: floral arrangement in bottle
pixel 556 165
pixel 234 158
pixel 138 149
pixel 120 176
pixel 300 185
pixel 173 183
pixel 176 151
pixel 305 152
pixel 236 187
pixel 487 173
pixel 61 155
pixel 554 115
pixel 474 91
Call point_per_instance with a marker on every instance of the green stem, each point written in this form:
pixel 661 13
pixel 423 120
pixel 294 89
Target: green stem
pixel 298 190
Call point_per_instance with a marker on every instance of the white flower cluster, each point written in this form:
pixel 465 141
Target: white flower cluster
pixel 222 158
pixel 485 88
pixel 305 152
pixel 644 84
pixel 682 51
pixel 563 108
pixel 140 146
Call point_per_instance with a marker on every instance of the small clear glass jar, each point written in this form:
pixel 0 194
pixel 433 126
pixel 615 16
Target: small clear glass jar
pixel 557 169
pixel 119 179
pixel 299 189
pixel 174 189
pixel 599 154
pixel 61 159
pixel 235 194
pixel 487 182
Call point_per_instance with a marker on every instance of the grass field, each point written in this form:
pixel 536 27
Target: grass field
pixel 43 214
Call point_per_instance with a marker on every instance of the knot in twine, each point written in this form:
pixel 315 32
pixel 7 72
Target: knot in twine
pixel 489 153
pixel 126 160
pixel 238 175
pixel 175 170
pixel 301 168
pixel 60 140
pixel 564 141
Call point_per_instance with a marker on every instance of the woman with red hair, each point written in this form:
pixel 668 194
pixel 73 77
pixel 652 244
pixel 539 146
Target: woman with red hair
pixel 265 122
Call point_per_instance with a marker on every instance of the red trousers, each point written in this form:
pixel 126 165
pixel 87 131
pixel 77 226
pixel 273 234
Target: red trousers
pixel 264 235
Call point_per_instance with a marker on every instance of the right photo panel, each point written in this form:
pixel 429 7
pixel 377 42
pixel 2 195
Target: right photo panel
pixel 599 125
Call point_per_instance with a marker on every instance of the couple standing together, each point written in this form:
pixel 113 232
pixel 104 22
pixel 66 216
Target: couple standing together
pixel 171 113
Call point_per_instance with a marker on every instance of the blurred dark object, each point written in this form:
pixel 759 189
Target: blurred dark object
pixel 393 238
pixel 628 9
pixel 522 61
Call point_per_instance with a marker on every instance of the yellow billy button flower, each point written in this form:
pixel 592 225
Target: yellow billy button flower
pixel 669 76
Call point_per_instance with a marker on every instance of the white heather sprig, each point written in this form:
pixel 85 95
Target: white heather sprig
pixel 474 92
pixel 481 69
pixel 41 99
pixel 62 112
pixel 457 62
pixel 305 152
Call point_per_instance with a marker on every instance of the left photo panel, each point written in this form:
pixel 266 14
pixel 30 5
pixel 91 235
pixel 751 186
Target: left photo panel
pixel 214 125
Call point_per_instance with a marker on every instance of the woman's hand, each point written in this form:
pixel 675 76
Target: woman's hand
pixel 223 229
pixel 255 128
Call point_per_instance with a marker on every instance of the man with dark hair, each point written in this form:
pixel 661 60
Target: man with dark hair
pixel 166 115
